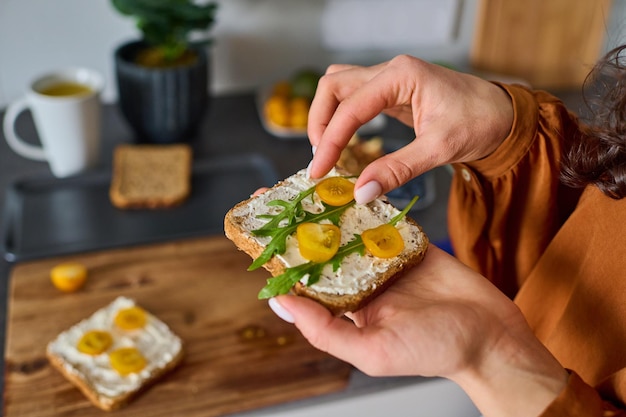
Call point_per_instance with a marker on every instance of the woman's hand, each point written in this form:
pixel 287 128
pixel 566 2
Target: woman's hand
pixel 456 117
pixel 441 319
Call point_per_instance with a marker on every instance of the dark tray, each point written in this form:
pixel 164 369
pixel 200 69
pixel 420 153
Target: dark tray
pixel 48 217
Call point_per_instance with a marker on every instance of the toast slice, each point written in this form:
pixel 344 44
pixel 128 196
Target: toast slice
pixel 360 278
pixel 150 176
pixel 93 374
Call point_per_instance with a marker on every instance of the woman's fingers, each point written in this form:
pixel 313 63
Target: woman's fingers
pixel 456 118
pixel 391 171
pixel 348 99
pixel 336 114
pixel 334 335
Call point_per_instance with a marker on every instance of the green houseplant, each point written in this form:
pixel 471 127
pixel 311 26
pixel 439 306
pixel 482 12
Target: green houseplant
pixel 163 77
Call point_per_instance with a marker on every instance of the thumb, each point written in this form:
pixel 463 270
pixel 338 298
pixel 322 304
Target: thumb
pixel 391 171
pixel 334 335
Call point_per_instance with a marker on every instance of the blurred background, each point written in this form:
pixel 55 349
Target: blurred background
pixel 548 44
pixel 257 41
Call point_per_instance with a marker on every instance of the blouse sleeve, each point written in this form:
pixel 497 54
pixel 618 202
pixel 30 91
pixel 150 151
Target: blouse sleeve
pixel 580 400
pixel 505 208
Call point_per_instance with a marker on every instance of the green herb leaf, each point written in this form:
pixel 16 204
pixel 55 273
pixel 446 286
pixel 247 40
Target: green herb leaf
pixel 281 284
pixel 292 210
pixel 279 234
pixel 403 213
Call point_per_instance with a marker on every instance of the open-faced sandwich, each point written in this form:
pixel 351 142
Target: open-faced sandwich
pixel 115 353
pixel 317 242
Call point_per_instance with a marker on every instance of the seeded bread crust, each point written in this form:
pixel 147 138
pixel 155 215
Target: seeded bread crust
pixel 150 176
pixel 336 303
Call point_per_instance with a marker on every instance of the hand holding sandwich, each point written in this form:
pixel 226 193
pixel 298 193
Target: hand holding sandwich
pixel 441 319
pixel 456 117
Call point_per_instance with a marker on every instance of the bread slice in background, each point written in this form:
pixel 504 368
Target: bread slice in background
pixel 150 176
pixel 93 375
pixel 360 278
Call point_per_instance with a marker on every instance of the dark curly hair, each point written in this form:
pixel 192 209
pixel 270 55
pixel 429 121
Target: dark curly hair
pixel 598 157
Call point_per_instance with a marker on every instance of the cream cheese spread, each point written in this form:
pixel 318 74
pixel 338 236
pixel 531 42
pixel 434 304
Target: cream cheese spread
pixel 357 272
pixel 155 341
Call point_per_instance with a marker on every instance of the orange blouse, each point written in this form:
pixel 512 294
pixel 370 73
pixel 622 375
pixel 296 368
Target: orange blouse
pixel 559 252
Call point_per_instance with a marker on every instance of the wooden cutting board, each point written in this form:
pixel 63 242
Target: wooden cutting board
pixel 238 354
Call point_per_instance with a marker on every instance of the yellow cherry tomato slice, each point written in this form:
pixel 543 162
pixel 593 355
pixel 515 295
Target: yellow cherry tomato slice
pixel 318 242
pixel 127 360
pixel 68 277
pixel 94 342
pixel 384 241
pixel 335 191
pixel 130 318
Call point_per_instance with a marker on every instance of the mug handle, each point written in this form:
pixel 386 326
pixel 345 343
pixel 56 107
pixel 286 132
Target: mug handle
pixel 15 142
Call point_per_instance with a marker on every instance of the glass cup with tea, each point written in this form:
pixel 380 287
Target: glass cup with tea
pixel 66 109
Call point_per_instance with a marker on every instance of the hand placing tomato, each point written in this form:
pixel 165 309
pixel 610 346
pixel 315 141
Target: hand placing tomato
pixel 335 191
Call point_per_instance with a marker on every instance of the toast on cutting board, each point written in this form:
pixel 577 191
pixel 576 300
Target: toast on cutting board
pixel 150 176
pixel 360 276
pixel 115 353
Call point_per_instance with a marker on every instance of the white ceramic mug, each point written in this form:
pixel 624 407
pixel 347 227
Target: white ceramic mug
pixel 66 109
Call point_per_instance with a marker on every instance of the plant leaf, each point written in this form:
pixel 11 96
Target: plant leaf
pixel 169 24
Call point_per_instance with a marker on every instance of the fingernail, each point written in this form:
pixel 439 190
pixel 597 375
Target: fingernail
pixel 313 149
pixel 308 170
pixel 368 192
pixel 280 311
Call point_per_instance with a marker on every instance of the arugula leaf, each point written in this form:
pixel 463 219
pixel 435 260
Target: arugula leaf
pixel 282 284
pixel 291 211
pixel 403 213
pixel 294 214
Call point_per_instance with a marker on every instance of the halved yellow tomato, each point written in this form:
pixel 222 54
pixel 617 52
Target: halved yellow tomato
pixel 69 276
pixel 384 241
pixel 130 318
pixel 94 342
pixel 127 360
pixel 335 191
pixel 318 242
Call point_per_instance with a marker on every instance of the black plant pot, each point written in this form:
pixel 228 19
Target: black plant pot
pixel 161 105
